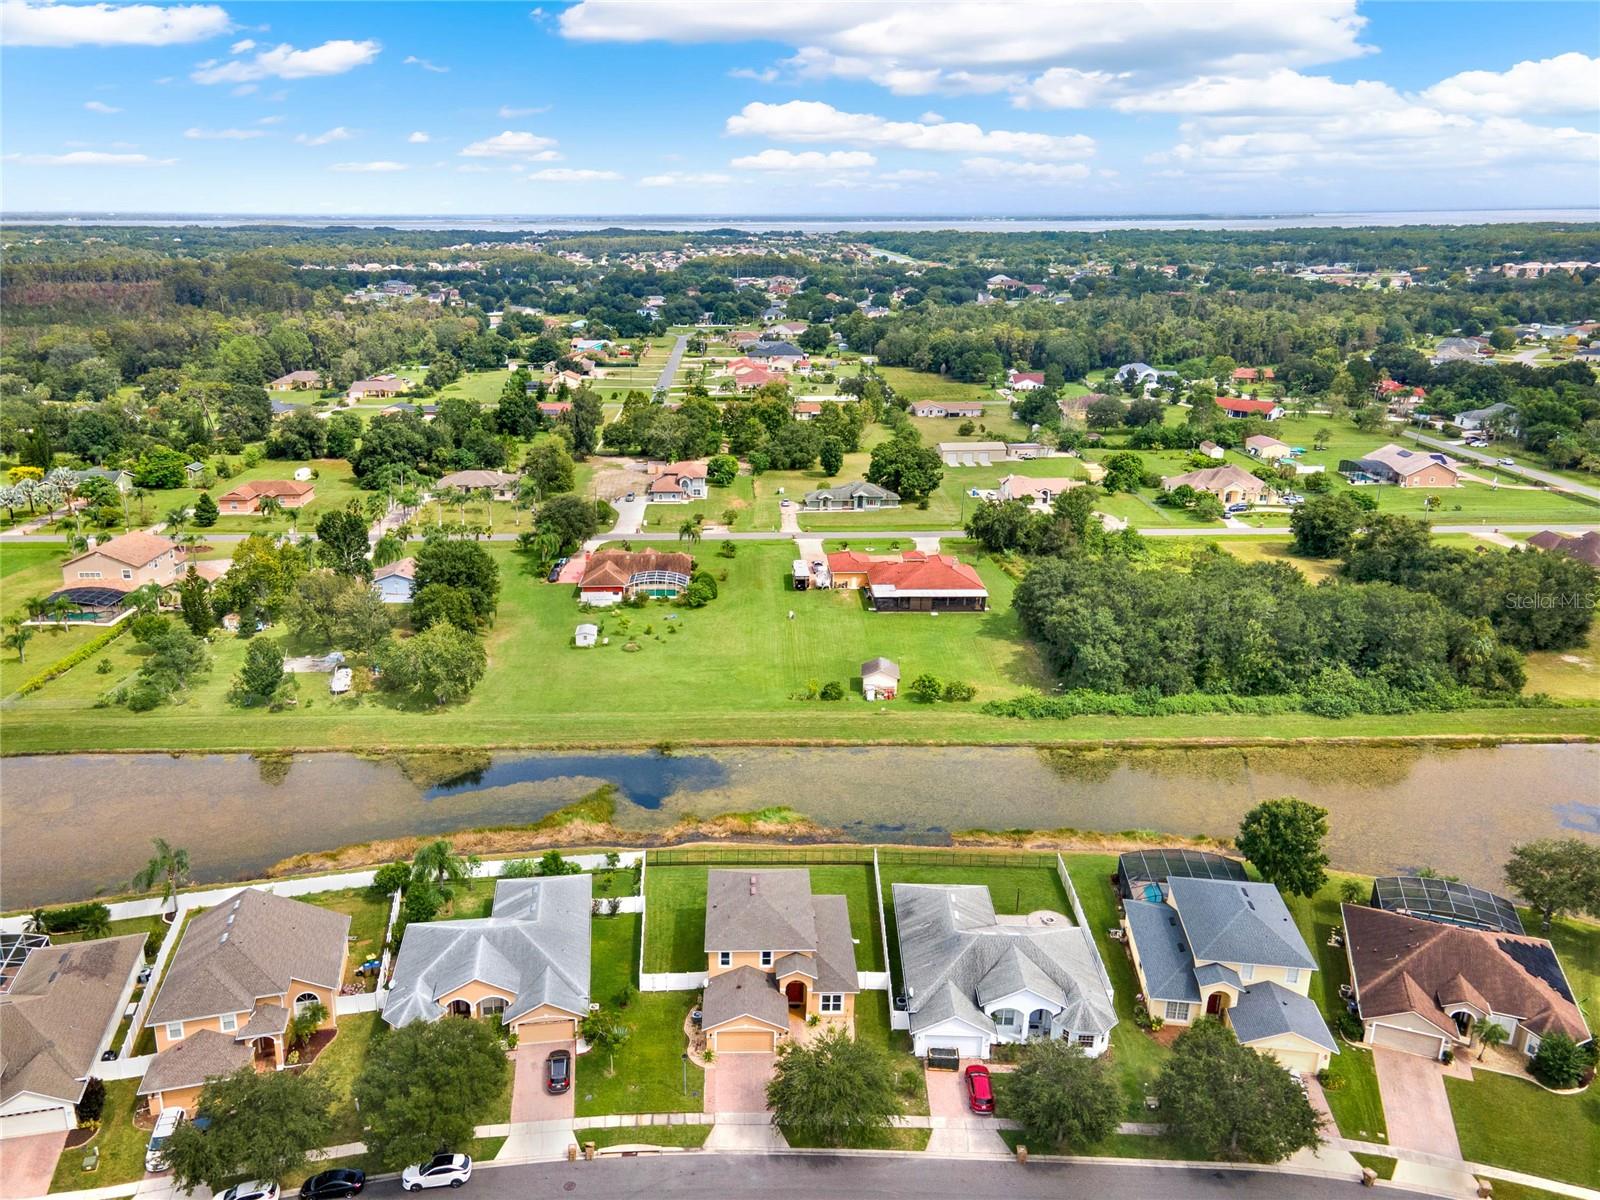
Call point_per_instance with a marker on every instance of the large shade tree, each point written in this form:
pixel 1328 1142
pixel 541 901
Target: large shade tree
pixel 833 1091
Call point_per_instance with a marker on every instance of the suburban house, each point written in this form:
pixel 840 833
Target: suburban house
pixel 1403 468
pixel 1458 349
pixel 1251 374
pixel 247 497
pixel 502 484
pixel 1036 493
pixel 1584 548
pixel 378 387
pixel 858 496
pixel 1475 419
pixel 775 351
pixel 910 582
pixel 972 454
pixel 747 375
pixel 677 483
pixel 125 562
pixel 775 955
pixel 1211 450
pixel 1268 449
pixel 296 381
pixel 1241 406
pixel 880 678
pixel 1025 381
pixel 1229 949
pixel 948 408
pixel 397 582
pixel 550 409
pixel 1228 483
pixel 59 1011
pixel 243 971
pixel 526 963
pixel 973 979
pixel 1141 372
pixel 611 576
pixel 1420 986
pixel 121 480
pixel 806 410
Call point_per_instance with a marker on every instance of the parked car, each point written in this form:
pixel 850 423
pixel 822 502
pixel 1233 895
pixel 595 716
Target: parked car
pixel 442 1170
pixel 334 1185
pixel 154 1151
pixel 253 1189
pixel 630 497
pixel 1234 510
pixel 980 1096
pixel 1508 462
pixel 558 1072
pixel 785 503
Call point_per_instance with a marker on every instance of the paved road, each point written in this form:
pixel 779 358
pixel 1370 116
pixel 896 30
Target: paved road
pixel 670 371
pixel 911 1177
pixel 1457 449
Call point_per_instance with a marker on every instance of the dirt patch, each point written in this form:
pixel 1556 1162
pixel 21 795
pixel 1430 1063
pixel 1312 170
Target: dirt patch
pixel 618 478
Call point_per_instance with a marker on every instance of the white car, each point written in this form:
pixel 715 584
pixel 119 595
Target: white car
pixel 155 1158
pixel 442 1170
pixel 254 1189
pixel 1508 462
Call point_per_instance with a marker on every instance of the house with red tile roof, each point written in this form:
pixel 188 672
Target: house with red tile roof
pixel 246 499
pixel 676 483
pixel 1252 374
pixel 910 582
pixel 1240 406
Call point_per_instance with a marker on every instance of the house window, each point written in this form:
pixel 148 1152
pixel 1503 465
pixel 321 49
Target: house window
pixel 1177 1010
pixel 1247 971
pixel 830 1002
pixel 304 1001
pixel 1007 1020
pixel 1291 975
pixel 228 1023
pixel 766 958
pixel 492 1006
pixel 725 958
pixel 175 1031
pixel 88 574
pixel 1086 1040
pixel 127 573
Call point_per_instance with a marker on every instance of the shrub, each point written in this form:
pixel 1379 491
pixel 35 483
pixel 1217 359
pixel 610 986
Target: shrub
pixel 76 917
pixel 925 689
pixel 958 690
pixel 551 863
pixel 832 690
pixel 82 654
pixel 92 1103
pixel 1559 1063
pixel 389 879
pixel 519 868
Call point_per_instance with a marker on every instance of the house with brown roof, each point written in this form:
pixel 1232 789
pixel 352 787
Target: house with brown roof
pixel 1037 493
pixel 379 387
pixel 124 563
pixel 245 500
pixel 502 485
pixel 243 971
pixel 57 1017
pixel 1228 483
pixel 676 483
pixel 1268 449
pixel 775 955
pixel 1584 548
pixel 1402 467
pixel 910 582
pixel 296 381
pixel 611 576
pixel 1422 986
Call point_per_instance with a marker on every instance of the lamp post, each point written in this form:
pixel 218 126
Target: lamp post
pixel 685 1057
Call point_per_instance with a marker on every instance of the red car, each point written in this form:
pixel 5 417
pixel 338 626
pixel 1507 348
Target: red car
pixel 979 1094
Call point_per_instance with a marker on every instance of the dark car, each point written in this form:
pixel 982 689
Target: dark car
pixel 333 1185
pixel 558 1072
pixel 980 1096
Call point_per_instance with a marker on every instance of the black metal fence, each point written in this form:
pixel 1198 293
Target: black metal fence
pixel 818 856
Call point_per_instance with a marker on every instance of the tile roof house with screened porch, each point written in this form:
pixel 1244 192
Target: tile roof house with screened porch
pixel 1226 949
pixel 974 980
pixel 526 964
pixel 243 971
pixel 775 955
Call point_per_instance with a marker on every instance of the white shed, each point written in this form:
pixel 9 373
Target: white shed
pixel 880 678
pixel 586 635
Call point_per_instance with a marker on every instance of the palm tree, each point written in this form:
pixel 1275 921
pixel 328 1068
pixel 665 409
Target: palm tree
pixel 36 922
pixel 270 506
pixel 168 866
pixel 18 635
pixel 689 532
pixel 139 494
pixel 176 517
pixel 439 863
pixel 1490 1034
pixel 146 598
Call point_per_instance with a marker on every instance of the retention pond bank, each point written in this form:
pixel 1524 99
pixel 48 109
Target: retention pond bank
pixel 72 826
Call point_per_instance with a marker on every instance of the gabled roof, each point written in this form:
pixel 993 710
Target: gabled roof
pixel 404 568
pixel 614 568
pixel 881 666
pixel 1266 1010
pixel 467 480
pixel 249 947
pixel 956 956
pixel 743 992
pixel 136 549
pixel 269 487
pixel 52 1019
pixel 849 491
pixel 1164 954
pixel 534 946
pixel 1238 922
pixel 759 910
pixel 1214 478
pixel 202 1055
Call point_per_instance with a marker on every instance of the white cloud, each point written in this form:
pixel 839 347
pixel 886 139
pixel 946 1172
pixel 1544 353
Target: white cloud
pixel 418 138
pixel 369 167
pixel 573 175
pixel 514 144
pixel 1064 87
pixel 1566 83
pixel 806 160
pixel 285 62
pixel 931 118
pixel 276 119
pixel 686 179
pixel 24 24
pixel 764 75
pixel 508 113
pixel 411 60
pixel 1279 92
pixel 1026 172
pixel 222 135
pixel 88 158
pixel 814 121
pixel 245 89
pixel 100 106
pixel 241 47
pixel 337 134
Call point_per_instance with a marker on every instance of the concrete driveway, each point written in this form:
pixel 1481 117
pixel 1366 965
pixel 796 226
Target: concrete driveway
pixel 737 1083
pixel 1415 1105
pixel 957 1130
pixel 29 1164
pixel 529 1099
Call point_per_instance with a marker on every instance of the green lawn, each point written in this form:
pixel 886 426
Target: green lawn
pixel 740 496
pixel 649 1069
pixel 1118 1145
pixel 1516 1124
pixel 121 1145
pixel 872 1025
pixel 368 919
pixel 675 903
pixel 922 385
pixel 1385 1165
pixel 689 1137
pixel 339 1065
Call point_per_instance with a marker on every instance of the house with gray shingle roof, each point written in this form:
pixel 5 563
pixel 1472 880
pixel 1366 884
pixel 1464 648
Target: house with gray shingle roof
pixel 526 964
pixel 775 953
pixel 858 496
pixel 973 979
pixel 1229 949
pixel 244 970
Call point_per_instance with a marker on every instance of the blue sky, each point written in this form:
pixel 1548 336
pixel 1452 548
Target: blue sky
pixel 608 107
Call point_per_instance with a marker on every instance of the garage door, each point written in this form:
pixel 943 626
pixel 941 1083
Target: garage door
pixel 47 1120
pixel 966 1045
pixel 545 1031
pixel 1304 1061
pixel 745 1041
pixel 1404 1039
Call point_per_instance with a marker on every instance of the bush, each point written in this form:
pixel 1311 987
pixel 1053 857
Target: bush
pixel 926 689
pixel 832 690
pixel 519 868
pixel 389 879
pixel 1559 1063
pixel 92 1103
pixel 958 690
pixel 82 654
pixel 551 863
pixel 1349 1026
pixel 76 917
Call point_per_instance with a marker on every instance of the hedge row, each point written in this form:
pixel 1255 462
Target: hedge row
pixel 82 654
pixel 1322 698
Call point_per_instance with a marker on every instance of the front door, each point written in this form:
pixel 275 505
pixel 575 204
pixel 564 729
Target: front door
pixel 795 993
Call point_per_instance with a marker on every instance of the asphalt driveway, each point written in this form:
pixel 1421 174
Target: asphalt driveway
pixel 1415 1105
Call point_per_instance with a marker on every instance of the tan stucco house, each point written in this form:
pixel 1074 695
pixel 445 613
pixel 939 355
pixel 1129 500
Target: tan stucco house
pixel 775 955
pixel 1226 949
pixel 247 497
pixel 1227 483
pixel 243 971
pixel 126 562
pixel 526 965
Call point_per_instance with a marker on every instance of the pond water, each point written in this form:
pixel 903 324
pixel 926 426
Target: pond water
pixel 73 826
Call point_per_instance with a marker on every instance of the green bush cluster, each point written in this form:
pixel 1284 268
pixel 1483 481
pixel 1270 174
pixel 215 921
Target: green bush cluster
pixel 75 917
pixel 1326 700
